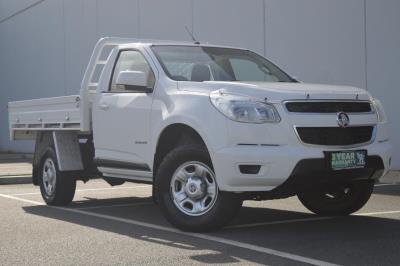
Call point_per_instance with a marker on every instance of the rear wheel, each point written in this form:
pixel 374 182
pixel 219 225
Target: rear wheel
pixel 188 192
pixel 56 188
pixel 337 201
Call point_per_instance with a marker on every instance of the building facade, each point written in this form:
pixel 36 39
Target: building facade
pixel 45 45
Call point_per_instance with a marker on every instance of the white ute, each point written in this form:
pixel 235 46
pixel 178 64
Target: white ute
pixel 209 126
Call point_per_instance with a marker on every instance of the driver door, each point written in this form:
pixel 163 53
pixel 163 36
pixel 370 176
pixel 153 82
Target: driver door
pixel 122 119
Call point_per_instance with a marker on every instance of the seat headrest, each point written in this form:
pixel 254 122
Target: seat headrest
pixel 200 72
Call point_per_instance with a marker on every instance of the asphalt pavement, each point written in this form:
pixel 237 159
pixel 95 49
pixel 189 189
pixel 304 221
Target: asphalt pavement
pixel 121 225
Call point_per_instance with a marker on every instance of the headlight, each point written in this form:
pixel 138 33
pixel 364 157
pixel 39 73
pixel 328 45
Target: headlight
pixel 380 112
pixel 244 109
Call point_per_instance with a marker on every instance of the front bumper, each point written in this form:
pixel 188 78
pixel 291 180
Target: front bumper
pixel 283 163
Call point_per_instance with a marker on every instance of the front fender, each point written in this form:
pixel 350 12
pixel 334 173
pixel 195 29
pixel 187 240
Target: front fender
pixel 195 111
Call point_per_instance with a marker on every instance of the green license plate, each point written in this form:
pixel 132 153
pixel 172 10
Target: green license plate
pixel 347 159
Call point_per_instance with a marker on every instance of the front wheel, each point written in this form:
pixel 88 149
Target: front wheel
pixel 56 187
pixel 338 200
pixel 188 192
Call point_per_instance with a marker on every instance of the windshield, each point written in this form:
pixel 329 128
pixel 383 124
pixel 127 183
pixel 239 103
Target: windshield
pixel 198 63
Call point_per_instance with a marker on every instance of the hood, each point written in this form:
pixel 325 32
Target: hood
pixel 279 91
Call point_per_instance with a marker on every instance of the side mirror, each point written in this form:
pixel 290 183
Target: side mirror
pixel 133 81
pixel 295 79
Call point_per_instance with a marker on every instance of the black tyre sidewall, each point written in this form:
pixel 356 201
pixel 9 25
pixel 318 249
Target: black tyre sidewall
pixel 315 202
pixel 48 154
pixel 65 185
pixel 224 209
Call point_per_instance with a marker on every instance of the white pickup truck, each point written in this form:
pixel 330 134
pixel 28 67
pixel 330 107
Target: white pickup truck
pixel 209 126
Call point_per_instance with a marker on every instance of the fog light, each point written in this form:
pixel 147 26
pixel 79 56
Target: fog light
pixel 249 169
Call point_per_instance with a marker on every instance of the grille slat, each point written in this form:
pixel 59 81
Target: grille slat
pixel 335 136
pixel 328 107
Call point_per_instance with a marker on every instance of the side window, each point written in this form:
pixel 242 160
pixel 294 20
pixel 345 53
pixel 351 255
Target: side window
pixel 131 61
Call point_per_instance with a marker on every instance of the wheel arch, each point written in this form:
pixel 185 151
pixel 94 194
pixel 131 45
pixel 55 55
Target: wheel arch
pixel 173 135
pixel 79 162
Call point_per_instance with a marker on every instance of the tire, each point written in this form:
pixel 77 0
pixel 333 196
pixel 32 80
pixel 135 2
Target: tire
pixel 339 201
pixel 205 208
pixel 56 187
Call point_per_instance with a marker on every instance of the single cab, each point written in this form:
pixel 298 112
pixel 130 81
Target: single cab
pixel 208 126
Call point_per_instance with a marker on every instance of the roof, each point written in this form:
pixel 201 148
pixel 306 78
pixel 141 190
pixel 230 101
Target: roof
pixel 150 42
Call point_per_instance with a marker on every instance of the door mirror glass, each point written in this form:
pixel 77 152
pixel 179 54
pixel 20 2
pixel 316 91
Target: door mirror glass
pixel 133 81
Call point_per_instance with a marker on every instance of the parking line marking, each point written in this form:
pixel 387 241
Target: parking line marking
pixel 116 205
pixel 385 185
pixel 278 222
pixel 220 240
pixel 21 199
pixel 141 186
pixel 376 213
pixel 87 189
pixel 305 220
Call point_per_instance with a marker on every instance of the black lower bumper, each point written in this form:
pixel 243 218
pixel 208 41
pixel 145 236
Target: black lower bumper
pixel 314 173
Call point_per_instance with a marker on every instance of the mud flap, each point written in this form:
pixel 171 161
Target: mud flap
pixel 68 152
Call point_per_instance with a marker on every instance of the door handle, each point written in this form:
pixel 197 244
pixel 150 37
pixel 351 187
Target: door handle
pixel 104 106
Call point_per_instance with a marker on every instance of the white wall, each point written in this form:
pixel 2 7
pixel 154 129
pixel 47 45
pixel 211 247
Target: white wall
pixel 44 49
pixel 318 41
pixel 383 62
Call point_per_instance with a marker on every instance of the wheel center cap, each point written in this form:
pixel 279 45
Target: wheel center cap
pixel 195 188
pixel 192 188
